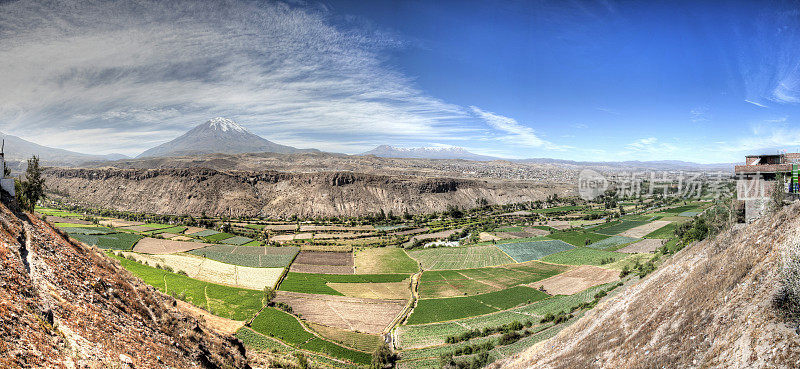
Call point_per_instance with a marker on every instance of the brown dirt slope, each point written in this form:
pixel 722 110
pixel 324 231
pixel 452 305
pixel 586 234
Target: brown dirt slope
pixel 275 194
pixel 709 306
pixel 63 305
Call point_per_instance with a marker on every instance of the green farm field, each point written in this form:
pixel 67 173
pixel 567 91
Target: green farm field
pixel 620 227
pixel 667 231
pixel 111 241
pixel 218 237
pixel 254 257
pixel 612 242
pixel 578 238
pixel 468 282
pixel 438 310
pixel 276 323
pixel 355 340
pixel 527 251
pixel 387 260
pixel 583 256
pixel 444 258
pixel 258 342
pixel 317 283
pixel 425 335
pixel 227 302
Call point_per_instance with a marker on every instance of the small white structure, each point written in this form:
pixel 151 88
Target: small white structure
pixel 7 184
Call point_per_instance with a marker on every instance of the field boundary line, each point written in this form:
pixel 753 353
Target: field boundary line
pixel 503 251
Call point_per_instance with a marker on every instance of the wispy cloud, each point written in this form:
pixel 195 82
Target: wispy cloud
pixel 699 114
pixel 650 145
pixel 127 67
pixel 514 131
pixel 755 103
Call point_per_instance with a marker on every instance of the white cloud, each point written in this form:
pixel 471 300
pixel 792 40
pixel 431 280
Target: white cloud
pixel 514 131
pixel 162 67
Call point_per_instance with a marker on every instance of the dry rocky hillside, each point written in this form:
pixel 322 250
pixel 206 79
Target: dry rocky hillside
pixel 709 306
pixel 63 305
pixel 270 193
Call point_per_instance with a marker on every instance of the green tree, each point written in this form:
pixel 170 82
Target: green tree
pixel 383 357
pixel 30 190
pixel 778 193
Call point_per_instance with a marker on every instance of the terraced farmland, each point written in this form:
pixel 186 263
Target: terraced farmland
pixel 612 242
pixel 227 302
pixel 318 283
pixel 578 238
pixel 437 310
pixel 460 257
pixel 620 227
pixel 384 260
pixel 111 241
pixel 584 256
pixel 87 230
pixel 237 240
pixel 467 282
pixel 214 271
pixel 426 335
pixel 527 251
pixel 255 257
pixel 667 231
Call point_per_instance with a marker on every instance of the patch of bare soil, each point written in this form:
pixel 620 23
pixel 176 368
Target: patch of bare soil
pixel 708 306
pixel 324 258
pixel 321 269
pixel 149 245
pixel 54 219
pixel 355 314
pixel 119 223
pixel 576 280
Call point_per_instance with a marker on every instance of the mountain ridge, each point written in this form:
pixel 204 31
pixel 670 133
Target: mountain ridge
pixel 20 149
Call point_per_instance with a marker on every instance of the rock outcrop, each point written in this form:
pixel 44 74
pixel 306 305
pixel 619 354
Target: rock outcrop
pixel 280 194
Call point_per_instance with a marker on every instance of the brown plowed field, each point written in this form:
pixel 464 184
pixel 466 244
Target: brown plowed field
pixel 645 229
pixel 150 245
pixel 362 315
pixel 647 245
pixel 321 269
pixel 324 258
pixel 576 280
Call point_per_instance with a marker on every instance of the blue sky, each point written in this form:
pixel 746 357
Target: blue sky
pixel 582 80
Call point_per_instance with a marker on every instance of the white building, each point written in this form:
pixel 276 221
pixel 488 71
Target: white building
pixel 6 184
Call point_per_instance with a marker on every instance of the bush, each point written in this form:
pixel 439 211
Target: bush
pixel 787 300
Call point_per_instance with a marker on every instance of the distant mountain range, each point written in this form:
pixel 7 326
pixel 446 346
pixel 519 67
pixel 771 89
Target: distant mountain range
pixel 219 135
pixel 635 164
pixel 386 151
pixel 20 150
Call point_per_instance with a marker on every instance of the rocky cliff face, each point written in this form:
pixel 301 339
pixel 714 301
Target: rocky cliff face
pixel 63 305
pixel 275 194
pixel 710 306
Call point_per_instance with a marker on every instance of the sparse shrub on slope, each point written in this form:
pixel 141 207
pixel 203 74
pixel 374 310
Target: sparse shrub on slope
pixel 787 299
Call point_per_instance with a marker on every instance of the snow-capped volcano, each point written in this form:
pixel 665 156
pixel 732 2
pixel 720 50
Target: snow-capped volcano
pixel 436 152
pixel 224 125
pixel 218 135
